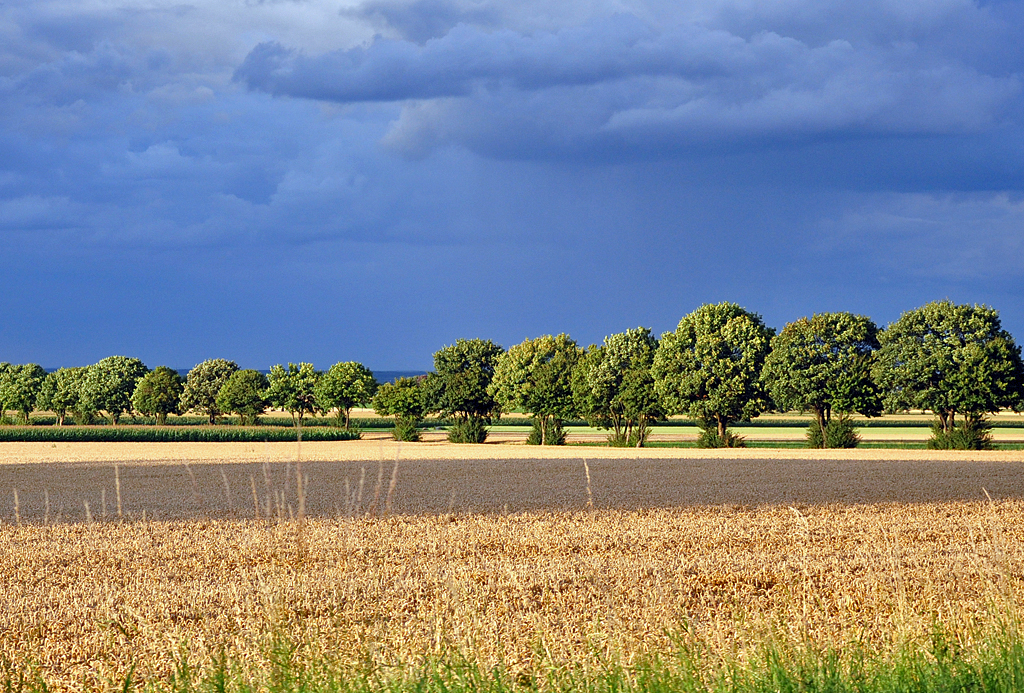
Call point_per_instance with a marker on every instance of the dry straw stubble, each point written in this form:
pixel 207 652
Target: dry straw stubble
pixel 84 603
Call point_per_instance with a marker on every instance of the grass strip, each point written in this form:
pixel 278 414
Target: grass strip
pixel 939 664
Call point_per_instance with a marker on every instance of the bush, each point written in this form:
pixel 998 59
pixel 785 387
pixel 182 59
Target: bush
pixel 405 430
pixel 969 435
pixel 471 430
pixel 838 433
pixel 633 440
pixel 709 438
pixel 553 435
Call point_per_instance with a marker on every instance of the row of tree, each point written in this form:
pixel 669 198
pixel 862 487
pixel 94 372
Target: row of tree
pixel 721 365
pixel 118 385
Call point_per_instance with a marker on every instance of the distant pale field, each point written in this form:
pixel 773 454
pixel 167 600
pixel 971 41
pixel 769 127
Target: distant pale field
pixel 379 446
pixel 82 604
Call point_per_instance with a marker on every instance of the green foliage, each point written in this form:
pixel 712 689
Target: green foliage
pixel 950 359
pixel 203 384
pixel 244 393
pixel 966 435
pixel 458 386
pixel 404 399
pixel 294 389
pixel 61 393
pixel 839 432
pixel 344 386
pixel 109 385
pixel 710 367
pixel 170 434
pixel 613 387
pixel 546 431
pixel 469 430
pixel 710 438
pixel 536 376
pixel 823 365
pixel 158 394
pixel 20 387
pixel 406 430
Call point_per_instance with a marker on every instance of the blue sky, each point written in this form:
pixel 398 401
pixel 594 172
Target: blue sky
pixel 286 180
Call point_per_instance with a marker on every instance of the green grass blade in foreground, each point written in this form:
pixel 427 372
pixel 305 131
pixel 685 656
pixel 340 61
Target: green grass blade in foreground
pixel 940 664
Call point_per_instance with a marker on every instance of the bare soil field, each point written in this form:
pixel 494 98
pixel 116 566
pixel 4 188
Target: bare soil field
pixel 176 481
pixel 81 605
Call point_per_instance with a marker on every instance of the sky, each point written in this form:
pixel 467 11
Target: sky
pixel 310 180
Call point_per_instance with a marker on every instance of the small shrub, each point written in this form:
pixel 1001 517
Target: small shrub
pixel 471 430
pixel 969 435
pixel 709 438
pixel 405 430
pixel 838 433
pixel 633 440
pixel 554 435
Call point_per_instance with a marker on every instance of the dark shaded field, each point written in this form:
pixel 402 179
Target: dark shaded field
pixel 177 491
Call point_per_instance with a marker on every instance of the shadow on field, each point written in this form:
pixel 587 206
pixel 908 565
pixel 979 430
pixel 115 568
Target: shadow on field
pixel 173 490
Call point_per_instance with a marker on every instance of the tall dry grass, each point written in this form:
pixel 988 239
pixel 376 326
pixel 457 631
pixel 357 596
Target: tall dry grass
pixel 83 604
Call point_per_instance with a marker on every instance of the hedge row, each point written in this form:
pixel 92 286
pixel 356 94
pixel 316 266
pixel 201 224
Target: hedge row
pixel 176 434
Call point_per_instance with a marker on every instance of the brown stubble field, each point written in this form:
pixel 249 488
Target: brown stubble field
pixel 758 554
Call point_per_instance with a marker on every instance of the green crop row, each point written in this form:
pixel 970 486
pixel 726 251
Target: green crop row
pixel 168 434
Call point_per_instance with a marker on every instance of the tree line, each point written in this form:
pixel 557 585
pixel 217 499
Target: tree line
pixel 721 365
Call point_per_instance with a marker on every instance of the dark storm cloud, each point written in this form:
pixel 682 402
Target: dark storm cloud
pixel 580 166
pixel 620 82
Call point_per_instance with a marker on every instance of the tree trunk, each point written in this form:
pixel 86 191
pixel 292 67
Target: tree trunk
pixel 348 417
pixel 543 430
pixel 721 427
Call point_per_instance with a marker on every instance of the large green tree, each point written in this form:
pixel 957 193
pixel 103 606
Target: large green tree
pixel 949 359
pixel 244 393
pixel 203 384
pixel 158 394
pixel 710 367
pixel 294 389
pixel 403 399
pixel 61 393
pixel 536 376
pixel 458 387
pixel 823 364
pixel 613 387
pixel 109 384
pixel 343 386
pixel 19 388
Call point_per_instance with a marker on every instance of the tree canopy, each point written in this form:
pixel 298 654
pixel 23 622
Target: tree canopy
pixel 343 386
pixel 536 376
pixel 613 387
pixel 458 387
pixel 294 389
pixel 244 393
pixel 949 359
pixel 61 393
pixel 19 388
pixel 823 364
pixel 203 384
pixel 109 384
pixel 158 394
pixel 404 399
pixel 710 366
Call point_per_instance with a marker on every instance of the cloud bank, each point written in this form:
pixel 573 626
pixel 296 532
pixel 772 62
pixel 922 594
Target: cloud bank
pixel 619 83
pixel 184 181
